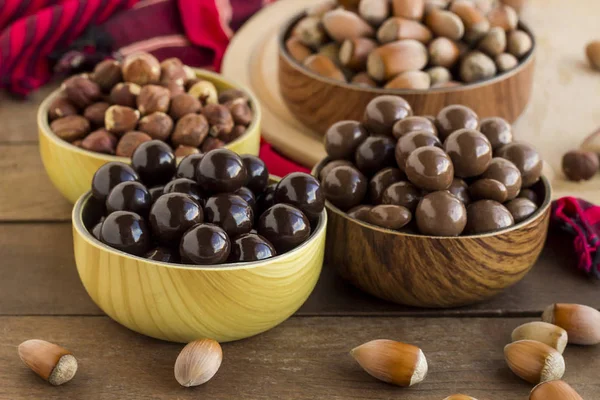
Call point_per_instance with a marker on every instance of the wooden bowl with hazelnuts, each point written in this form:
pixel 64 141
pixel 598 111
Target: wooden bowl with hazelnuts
pixel 338 55
pixel 103 116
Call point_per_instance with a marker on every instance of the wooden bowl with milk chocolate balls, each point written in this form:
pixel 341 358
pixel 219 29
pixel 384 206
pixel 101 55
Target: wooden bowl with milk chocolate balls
pixel 337 56
pixel 438 211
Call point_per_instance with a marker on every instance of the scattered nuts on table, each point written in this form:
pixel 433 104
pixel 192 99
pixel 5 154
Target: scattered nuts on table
pixel 554 390
pixel 460 397
pixel 552 335
pixel 580 165
pixel 592 52
pixel 582 323
pixel 533 361
pixel 198 362
pixel 52 362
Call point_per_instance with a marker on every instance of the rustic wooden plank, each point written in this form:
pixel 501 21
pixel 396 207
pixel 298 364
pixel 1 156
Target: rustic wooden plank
pixel 304 358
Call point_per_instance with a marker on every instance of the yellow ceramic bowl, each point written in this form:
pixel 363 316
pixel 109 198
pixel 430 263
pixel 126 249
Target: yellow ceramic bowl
pixel 71 168
pixel 182 303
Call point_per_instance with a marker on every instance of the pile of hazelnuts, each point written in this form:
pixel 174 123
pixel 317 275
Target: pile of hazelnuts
pixel 212 208
pixel 121 105
pixel 451 174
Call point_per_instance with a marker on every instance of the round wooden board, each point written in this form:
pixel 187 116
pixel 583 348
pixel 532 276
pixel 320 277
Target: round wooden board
pixel 564 108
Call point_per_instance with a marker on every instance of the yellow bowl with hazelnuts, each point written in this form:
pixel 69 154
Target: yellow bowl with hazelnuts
pixel 103 116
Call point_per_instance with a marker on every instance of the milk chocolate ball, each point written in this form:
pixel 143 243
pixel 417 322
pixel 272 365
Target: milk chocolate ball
pixel 162 254
pixel 257 175
pixel 487 216
pixel 129 196
pixel 345 187
pixel 429 168
pixel 302 191
pixel 497 130
pixel 403 194
pixel 230 212
pixel 470 151
pixel 507 173
pixel 188 167
pixel 173 214
pixel 441 214
pixel 221 170
pixel 455 117
pixel 526 159
pixel 126 231
pixel 528 194
pixel 284 226
pixel 489 189
pixel 460 189
pixel 331 165
pixel 360 212
pixel 411 141
pixel 205 244
pixel 412 124
pixel 389 216
pixel 248 196
pixel 375 153
pixel 187 186
pixel 342 139
pixel 381 181
pixel 382 113
pixel 521 208
pixel 251 247
pixel 110 175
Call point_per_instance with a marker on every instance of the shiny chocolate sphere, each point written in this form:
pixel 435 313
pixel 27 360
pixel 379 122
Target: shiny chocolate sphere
pixel 110 175
pixel 381 181
pixel 126 231
pixel 230 212
pixel 162 254
pixel 284 226
pixel 470 151
pixel 155 162
pixel 487 216
pixel 221 171
pixel 302 191
pixel 187 186
pixel 345 187
pixel 454 117
pixel 129 196
pixel 383 112
pixel 441 214
pixel 374 154
pixel 173 214
pixel 429 168
pixel 251 247
pixel 205 244
pixel 342 139
pixel 257 175
pixel 188 166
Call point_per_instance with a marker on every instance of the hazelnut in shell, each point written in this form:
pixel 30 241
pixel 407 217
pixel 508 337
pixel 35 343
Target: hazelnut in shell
pixel 354 52
pixel 445 23
pixel 363 79
pixel 397 28
pixel 310 31
pixel 494 42
pixel 441 214
pixel 477 66
pixel 341 24
pixel 581 322
pixel 534 361
pixel 374 11
pixel 411 9
pixel 443 52
pixel 323 66
pixel 519 43
pixel 439 76
pixel 414 80
pixel 505 62
pixel 554 390
pixel 298 50
pixel 391 59
pixel 504 17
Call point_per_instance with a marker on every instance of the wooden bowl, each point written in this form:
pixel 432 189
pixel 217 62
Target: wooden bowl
pixel 71 168
pixel 319 102
pixel 181 303
pixel 427 271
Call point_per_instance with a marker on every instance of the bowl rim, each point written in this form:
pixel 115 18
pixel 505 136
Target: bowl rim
pixel 539 213
pixel 44 123
pixel 287 27
pixel 77 222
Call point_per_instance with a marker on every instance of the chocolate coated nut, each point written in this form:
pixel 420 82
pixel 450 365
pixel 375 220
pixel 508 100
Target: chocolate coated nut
pixel 257 175
pixel 488 189
pixel 186 186
pixel 381 181
pixel 127 232
pixel 125 94
pixel 360 212
pixel 110 175
pixel 460 189
pixel 205 244
pixel 107 74
pixel 412 124
pixel 248 196
pixel 182 151
pixel 470 151
pixel 129 142
pixel 211 143
pixel 188 167
pixel 374 154
pixel 120 119
pixel 228 95
pixel 154 162
pixel 129 196
pixel 528 194
pixel 183 104
pixel 342 139
pixel 345 187
pixel 580 165
pixel 429 168
pixel 171 69
pixel 221 171
pixel 389 216
pixel 526 159
pixel 402 194
pixel 382 113
pixel 162 254
pixel 190 130
pixel 240 112
pixel 141 68
pixel 230 212
pixel 100 141
pixel 155 193
pixel 171 215
pixel 158 125
pixel 250 247
pixel 441 214
pixel 507 173
pixel 521 209
pixel 302 191
pixel 95 113
pixel 455 117
pixel 286 227
pixel 331 165
pixel 61 107
pixel 97 230
pixel 220 120
pixel 81 91
pixel 497 130
pixel 153 98
pixel 487 216
pixel 70 128
pixel 265 200
pixel 412 141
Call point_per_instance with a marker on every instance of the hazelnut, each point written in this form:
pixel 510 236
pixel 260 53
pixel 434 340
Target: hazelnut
pixel 297 49
pixel 363 79
pixel 236 132
pixel 190 130
pixel 120 119
pixel 310 32
pixel 503 16
pixel 494 42
pixel 240 112
pixel 107 74
pixel 141 68
pixel 61 107
pixel 389 60
pixel 443 52
pixel 183 104
pixel 374 11
pixel 182 151
pixel 580 165
pixel 172 69
pixel 332 51
pixel 175 88
pixel 204 91
pixel 125 94
pixel 219 118
pixel 228 95
pixel 519 43
pixel 418 80
pixel 592 143
pixel 81 91
pixel 320 8
pixel 77 143
pixel 95 113
pixel 211 143
pixel 353 53
pixel 158 125
pixel 506 62
pixel 100 141
pixel 130 141
pixel 445 23
pixel 439 75
pixel 476 66
pixel 592 51
pixel 70 128
pixel 397 28
pixel 412 9
pixel 342 24
pixel 324 66
pixel 153 98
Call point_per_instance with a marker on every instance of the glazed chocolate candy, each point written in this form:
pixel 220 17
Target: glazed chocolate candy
pixel 205 244
pixel 345 187
pixel 487 216
pixel 441 214
pixel 389 216
pixel 382 113
pixel 162 254
pixel 453 118
pixel 412 141
pixel 429 168
pixel 497 130
pixel 247 195
pixel 360 212
pixel 412 124
pixel 489 189
pixel 470 151
pixel 460 189
pixel 303 191
pixel 528 194
pixel 342 139
pixel 331 165
pixel 381 181
pixel 188 167
pixel 375 153
pixel 256 173
pixel 521 208
pixel 97 230
pixel 129 196
pixel 506 172
pixel 266 199
pixel 403 194
pixel 221 170
pixel 156 192
pixel 173 214
pixel 155 162
pixel 187 186
pixel 251 247
pixel 526 159
pixel 230 212
pixel 110 175
pixel 126 231
pixel 284 226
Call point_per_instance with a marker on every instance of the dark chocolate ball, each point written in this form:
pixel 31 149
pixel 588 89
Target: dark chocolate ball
pixel 162 254
pixel 97 230
pixel 389 216
pixel 412 124
pixel 221 170
pixel 507 173
pixel 188 167
pixel 521 208
pixel 382 113
pixel 110 175
pixel 342 139
pixel 187 186
pixel 497 130
pixel 487 216
pixel 251 247
pixel 454 117
pixel 345 187
pixel 266 199
pixel 129 196
pixel 156 192
pixel 257 174
pixel 403 194
pixel 155 162
pixel 374 154
pixel 230 212
pixel 441 214
pixel 285 226
pixel 429 168
pixel 173 214
pixel 205 244
pixel 331 165
pixel 489 189
pixel 526 159
pixel 303 191
pixel 360 212
pixel 248 196
pixel 381 181
pixel 126 231
pixel 412 141
pixel 460 189
pixel 470 151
